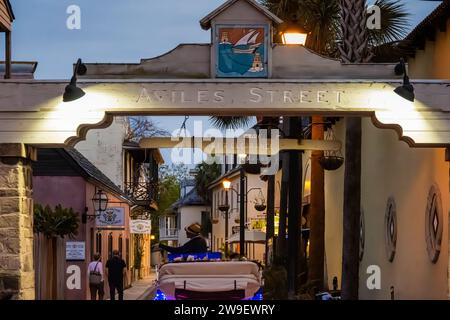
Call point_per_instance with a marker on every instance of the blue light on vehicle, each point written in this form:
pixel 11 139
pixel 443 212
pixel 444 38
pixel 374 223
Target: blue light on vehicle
pixel 258 295
pixel 160 295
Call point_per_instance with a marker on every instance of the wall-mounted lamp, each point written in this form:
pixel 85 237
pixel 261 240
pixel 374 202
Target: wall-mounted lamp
pixel 72 92
pixel 406 90
pixel 100 202
pixel 294 36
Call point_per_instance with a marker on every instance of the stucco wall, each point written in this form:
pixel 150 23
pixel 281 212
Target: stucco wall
pixel 391 169
pixel 103 147
pixel 433 62
pixel 188 216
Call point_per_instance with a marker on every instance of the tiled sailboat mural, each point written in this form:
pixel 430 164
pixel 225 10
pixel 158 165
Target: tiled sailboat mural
pixel 241 51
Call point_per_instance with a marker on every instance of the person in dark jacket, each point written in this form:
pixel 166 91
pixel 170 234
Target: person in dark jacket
pixel 115 272
pixel 196 244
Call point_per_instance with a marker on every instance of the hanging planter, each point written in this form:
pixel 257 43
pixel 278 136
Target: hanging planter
pixel 252 168
pixel 331 163
pixel 331 160
pixel 224 207
pixel 260 207
pixel 260 202
pixel 237 220
pixel 215 221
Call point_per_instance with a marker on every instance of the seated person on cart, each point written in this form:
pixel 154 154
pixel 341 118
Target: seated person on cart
pixel 196 244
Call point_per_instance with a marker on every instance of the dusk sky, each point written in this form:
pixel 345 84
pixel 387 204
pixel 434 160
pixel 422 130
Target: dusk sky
pixel 119 31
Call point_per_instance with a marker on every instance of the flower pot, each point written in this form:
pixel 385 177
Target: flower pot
pixel 237 220
pixel 215 221
pixel 331 163
pixel 224 208
pixel 260 207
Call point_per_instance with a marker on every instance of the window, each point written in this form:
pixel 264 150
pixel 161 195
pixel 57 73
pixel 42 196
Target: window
pixel 92 240
pixel 433 223
pixel 98 243
pixel 127 254
pixel 390 227
pixel 121 245
pixel 110 245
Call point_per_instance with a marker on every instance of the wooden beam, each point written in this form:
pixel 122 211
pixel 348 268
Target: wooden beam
pixel 223 146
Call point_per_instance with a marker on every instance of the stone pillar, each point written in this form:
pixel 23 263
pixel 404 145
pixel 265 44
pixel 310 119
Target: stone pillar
pixel 16 222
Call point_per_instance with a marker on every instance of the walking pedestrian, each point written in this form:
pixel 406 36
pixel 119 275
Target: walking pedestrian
pixel 96 280
pixel 115 271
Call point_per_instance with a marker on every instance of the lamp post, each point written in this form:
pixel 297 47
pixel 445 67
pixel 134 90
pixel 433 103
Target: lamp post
pixel 224 209
pixel 242 196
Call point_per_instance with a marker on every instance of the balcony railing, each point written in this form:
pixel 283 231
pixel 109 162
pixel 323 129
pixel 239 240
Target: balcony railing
pixel 141 191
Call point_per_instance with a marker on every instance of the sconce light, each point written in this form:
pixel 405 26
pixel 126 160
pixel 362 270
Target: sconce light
pixel 72 92
pixel 406 90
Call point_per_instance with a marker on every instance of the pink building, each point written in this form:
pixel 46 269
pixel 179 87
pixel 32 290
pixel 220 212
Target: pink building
pixel 64 176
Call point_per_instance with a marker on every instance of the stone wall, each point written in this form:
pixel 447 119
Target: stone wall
pixel 16 222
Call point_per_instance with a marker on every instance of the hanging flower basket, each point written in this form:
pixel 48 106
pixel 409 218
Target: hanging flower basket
pixel 237 220
pixel 224 208
pixel 260 207
pixel 252 168
pixel 331 163
pixel 215 221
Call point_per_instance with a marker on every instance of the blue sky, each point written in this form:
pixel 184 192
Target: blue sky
pixel 116 30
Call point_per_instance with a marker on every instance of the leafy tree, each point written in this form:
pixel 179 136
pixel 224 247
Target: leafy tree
pixel 179 171
pixel 169 192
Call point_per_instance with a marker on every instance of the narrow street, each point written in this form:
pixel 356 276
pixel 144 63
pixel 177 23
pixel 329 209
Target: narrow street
pixel 141 290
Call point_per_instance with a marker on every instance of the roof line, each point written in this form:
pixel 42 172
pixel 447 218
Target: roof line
pixel 205 23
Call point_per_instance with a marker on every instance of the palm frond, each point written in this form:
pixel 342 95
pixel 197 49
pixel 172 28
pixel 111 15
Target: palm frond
pixel 394 22
pixel 223 123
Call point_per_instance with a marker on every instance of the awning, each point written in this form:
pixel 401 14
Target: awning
pixel 253 236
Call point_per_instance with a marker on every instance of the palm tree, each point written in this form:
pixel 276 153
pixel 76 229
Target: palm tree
pixel 205 175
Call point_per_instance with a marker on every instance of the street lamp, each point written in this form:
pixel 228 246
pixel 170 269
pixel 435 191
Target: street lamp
pixel 72 92
pixel 242 196
pixel 226 184
pixel 225 209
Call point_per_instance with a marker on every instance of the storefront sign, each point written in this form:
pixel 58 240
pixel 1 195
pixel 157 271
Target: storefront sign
pixel 112 217
pixel 75 251
pixel 140 226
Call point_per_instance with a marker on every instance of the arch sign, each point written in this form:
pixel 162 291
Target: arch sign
pixel 241 72
pixel 33 111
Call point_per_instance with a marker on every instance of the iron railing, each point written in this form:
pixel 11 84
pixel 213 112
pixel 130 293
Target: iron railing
pixel 142 191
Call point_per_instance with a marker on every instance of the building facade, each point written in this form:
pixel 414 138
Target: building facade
pixel 64 177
